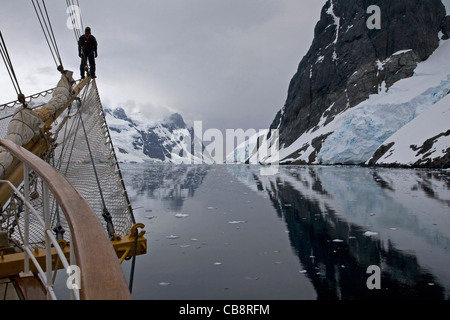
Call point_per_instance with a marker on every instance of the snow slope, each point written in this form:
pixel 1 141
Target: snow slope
pixel 433 122
pixel 137 139
pixel 123 136
pixel 447 6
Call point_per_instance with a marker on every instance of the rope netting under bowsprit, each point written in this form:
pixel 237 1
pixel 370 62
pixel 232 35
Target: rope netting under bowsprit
pixel 82 150
pixel 85 155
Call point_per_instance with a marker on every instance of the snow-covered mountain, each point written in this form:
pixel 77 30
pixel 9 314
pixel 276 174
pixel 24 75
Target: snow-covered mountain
pixel 371 96
pixel 137 139
pixel 361 95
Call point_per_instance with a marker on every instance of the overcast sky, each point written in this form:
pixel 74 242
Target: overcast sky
pixel 227 63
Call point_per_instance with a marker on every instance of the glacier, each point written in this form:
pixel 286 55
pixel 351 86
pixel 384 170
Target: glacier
pixel 356 133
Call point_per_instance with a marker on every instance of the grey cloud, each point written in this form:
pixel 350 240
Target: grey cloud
pixel 227 63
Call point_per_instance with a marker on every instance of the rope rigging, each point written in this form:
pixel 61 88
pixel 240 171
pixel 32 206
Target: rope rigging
pixel 47 29
pixel 9 66
pixel 75 17
pixel 73 8
pixel 106 215
pixel 79 138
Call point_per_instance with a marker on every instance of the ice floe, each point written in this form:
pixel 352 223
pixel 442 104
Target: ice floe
pixel 181 215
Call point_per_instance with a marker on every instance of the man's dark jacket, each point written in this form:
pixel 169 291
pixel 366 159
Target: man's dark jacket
pixel 87 44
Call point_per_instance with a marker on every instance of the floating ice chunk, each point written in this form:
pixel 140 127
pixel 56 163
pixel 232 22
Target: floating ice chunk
pixel 338 240
pixel 185 246
pixel 393 229
pixel 181 215
pixel 251 278
pixel 269 171
pixel 172 237
pixel 212 208
pixel 302 271
pixel 370 233
pixel 217 263
pixel 236 221
pixel 164 284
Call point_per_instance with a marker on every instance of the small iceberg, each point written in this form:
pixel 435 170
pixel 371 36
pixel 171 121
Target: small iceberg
pixel 164 284
pixel 370 233
pixel 181 215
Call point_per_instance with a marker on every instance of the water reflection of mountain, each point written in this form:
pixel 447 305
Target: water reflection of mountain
pixel 329 210
pixel 164 182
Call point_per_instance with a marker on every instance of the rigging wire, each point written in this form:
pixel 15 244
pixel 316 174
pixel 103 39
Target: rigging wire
pixel 77 26
pixel 133 262
pixel 106 215
pixel 9 66
pixel 81 19
pixel 47 29
pixel 75 17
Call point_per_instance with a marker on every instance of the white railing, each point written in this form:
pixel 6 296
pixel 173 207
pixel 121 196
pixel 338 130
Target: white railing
pixel 50 239
pixel 91 251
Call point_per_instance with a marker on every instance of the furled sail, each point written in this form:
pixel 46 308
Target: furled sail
pixel 26 123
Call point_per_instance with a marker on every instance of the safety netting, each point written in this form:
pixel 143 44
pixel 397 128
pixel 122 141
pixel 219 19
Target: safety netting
pixel 80 147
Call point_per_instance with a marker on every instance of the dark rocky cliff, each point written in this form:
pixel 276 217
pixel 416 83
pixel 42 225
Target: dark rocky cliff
pixel 347 61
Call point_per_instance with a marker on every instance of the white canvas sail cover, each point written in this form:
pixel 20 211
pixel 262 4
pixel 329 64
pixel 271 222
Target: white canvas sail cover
pixel 26 123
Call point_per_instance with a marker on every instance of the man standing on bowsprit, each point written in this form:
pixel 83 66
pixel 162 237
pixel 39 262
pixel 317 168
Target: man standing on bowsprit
pixel 87 50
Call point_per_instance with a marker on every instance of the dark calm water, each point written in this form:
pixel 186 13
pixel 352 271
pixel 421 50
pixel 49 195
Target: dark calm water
pixel 232 232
